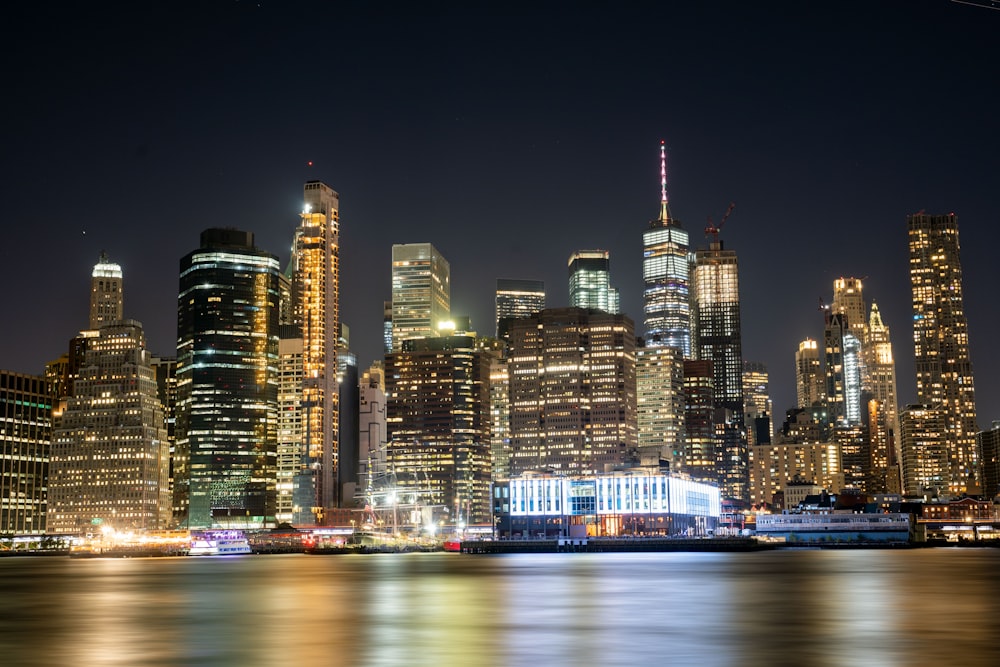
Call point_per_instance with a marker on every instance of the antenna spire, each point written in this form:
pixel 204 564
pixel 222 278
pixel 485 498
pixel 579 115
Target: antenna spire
pixel 664 203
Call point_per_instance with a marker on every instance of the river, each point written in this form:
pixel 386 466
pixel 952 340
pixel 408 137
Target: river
pixel 811 608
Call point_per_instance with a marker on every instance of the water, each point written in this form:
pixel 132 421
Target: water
pixel 815 608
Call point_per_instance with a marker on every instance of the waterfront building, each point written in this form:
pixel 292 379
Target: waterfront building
pixel 291 446
pixel 515 299
pixel 165 370
pixel 348 451
pixel 110 455
pixel 757 399
pixel 25 443
pixel 716 336
pixel 227 383
pixel 665 275
pixel 590 281
pixel 372 430
pixel 438 422
pixel 633 501
pixel 779 465
pixel 107 298
pixel 941 341
pixel 855 455
pixel 659 389
pixel 572 391
pixel 925 455
pixel 500 417
pixel 988 443
pixel 809 382
pixel 316 309
pixel 421 292
pixel 700 446
pixel 836 526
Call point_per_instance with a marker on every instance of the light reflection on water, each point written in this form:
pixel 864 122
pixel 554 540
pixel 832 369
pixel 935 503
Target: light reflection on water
pixel 817 608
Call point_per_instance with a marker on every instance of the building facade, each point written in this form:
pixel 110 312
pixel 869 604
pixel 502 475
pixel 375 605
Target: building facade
pixel 572 391
pixel 227 383
pixel 107 298
pixel 438 422
pixel 25 443
pixel 809 383
pixel 941 340
pixel 110 454
pixel 659 388
pixel 516 299
pixel 717 336
pixel 421 292
pixel 590 281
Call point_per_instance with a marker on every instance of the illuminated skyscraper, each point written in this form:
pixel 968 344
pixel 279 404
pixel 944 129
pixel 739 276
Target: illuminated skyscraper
pixel 925 452
pixel 880 371
pixel 106 295
pixel 316 298
pixel 227 383
pixel 110 454
pixel 25 441
pixel 659 388
pixel 941 340
pixel 572 391
pixel 700 444
pixel 421 292
pixel 372 429
pixel 716 337
pixel 438 418
pixel 291 452
pixel 500 418
pixel 989 453
pixel 758 403
pixel 590 281
pixel 665 276
pixel 848 299
pixel 808 375
pixel 517 298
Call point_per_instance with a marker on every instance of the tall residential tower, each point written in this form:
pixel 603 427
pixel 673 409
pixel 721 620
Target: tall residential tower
pixel 941 340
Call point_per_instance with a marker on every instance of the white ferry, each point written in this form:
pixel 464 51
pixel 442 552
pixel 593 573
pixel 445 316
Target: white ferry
pixel 219 543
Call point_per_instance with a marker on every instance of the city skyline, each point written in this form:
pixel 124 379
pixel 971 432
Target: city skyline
pixel 824 151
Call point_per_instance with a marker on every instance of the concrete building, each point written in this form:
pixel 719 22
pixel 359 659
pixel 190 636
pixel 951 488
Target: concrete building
pixel 659 382
pixel 809 380
pixel 107 297
pixel 372 429
pixel 292 453
pixel 926 457
pixel 438 421
pixel 941 342
pixel 572 391
pixel 700 442
pixel 757 399
pixel 717 337
pixel 110 454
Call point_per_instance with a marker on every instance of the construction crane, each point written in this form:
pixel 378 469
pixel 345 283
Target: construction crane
pixel 712 230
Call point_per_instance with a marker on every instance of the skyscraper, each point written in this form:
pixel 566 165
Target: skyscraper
pixel 316 309
pixel 25 441
pixel 717 337
pixel 421 292
pixel 572 391
pixel 941 340
pixel 659 388
pixel 665 271
pixel 808 375
pixel 758 408
pixel 291 452
pixel 700 444
pixel 517 298
pixel 106 295
pixel 110 454
pixel 590 281
pixel 438 418
pixel 372 429
pixel 227 383
pixel 848 299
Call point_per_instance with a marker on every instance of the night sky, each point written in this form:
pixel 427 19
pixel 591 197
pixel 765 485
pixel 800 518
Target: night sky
pixel 508 135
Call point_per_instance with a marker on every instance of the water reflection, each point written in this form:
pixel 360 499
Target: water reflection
pixel 795 607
